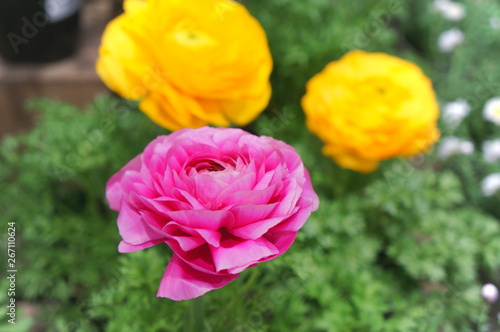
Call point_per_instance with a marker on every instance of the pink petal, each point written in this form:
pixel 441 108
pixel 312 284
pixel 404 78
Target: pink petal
pixel 133 229
pixel 159 147
pixel 244 182
pixel 297 220
pixel 198 149
pixel 154 220
pixel 150 204
pixel 256 229
pixel 281 240
pixel 288 203
pixel 182 282
pixel 203 219
pixel 125 247
pixel 308 192
pixel 209 236
pixel 273 161
pixel 256 197
pixel 264 181
pixel 188 243
pixel 184 183
pixel 176 157
pixel 208 187
pixel 199 258
pixel 190 199
pixel 221 137
pixel 133 184
pixel 114 192
pixel 248 214
pixel 157 165
pixel 234 254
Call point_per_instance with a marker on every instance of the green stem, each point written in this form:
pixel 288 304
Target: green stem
pixel 244 290
pixel 195 317
pixel 251 280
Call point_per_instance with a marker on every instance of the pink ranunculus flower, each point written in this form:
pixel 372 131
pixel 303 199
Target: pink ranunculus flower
pixel 222 199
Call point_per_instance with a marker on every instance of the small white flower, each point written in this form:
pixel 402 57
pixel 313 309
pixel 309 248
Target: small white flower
pixel 466 147
pixel 495 22
pixel 455 112
pixel 489 292
pixel 491 110
pixel 450 39
pixel 450 10
pixel 491 184
pixel 491 150
pixel 452 145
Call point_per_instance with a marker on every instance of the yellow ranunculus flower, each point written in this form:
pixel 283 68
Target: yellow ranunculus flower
pixel 190 63
pixel 368 107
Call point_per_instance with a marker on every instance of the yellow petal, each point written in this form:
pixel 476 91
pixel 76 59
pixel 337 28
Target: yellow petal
pixel 182 56
pixel 368 107
pixel 121 63
pixel 239 111
pixel 131 6
pixel 353 162
pixel 171 109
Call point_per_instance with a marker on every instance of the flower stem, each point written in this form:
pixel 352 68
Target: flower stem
pixel 195 317
pixel 251 280
pixel 240 297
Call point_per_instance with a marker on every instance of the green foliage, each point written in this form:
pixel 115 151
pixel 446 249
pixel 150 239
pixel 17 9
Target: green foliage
pixel 403 249
pixel 129 301
pixel 53 181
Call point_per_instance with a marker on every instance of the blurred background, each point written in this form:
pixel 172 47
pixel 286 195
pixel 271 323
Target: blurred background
pixel 58 61
pixel 412 255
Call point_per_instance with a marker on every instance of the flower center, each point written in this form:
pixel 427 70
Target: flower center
pixel 206 166
pixel 187 34
pixel 215 167
pixel 496 112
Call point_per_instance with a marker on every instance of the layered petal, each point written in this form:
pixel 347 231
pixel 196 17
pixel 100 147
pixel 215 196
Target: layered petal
pixel 114 191
pixel 235 255
pixel 122 64
pixel 182 282
pixel 223 200
pixel 183 63
pixel 368 107
pixel 125 247
pixel 134 229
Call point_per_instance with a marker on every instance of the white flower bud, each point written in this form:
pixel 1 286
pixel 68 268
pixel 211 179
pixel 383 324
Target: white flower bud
pixel 455 112
pixel 491 184
pixel 452 145
pixel 491 151
pixel 450 39
pixel 491 110
pixel 452 11
pixel 489 292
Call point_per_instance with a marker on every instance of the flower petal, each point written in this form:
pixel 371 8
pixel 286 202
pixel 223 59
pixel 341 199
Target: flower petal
pixel 125 247
pixel 182 282
pixel 234 254
pixel 114 192
pixel 249 214
pixel 281 240
pixel 256 229
pixel 209 236
pixel 133 229
pixel 122 65
pixel 203 219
